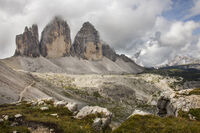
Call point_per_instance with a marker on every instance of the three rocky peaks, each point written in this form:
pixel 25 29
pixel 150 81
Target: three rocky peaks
pixel 56 42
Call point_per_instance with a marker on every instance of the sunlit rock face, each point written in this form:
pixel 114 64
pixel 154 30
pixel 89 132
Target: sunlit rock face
pixel 87 43
pixel 27 44
pixel 55 39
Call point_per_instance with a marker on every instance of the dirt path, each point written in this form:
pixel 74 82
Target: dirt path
pixel 25 89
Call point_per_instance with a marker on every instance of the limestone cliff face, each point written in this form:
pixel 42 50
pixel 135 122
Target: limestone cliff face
pixel 55 39
pixel 87 43
pixel 27 44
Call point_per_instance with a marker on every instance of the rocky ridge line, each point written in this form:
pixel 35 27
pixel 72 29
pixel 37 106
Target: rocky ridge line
pixel 56 42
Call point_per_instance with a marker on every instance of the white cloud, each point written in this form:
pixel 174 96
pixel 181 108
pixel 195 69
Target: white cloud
pixel 198 43
pixel 119 22
pixel 179 34
pixel 195 10
pixel 167 39
pixel 126 25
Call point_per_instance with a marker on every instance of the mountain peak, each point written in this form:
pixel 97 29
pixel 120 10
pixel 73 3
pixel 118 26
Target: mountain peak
pixel 56 39
pixel 27 43
pixel 88 24
pixel 87 43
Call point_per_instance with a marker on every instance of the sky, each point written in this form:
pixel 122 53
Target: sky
pixel 157 29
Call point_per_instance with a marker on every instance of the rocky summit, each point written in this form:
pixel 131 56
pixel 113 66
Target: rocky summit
pixel 87 43
pixel 27 43
pixel 55 39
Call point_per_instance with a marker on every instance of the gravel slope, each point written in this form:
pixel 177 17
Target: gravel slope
pixel 72 65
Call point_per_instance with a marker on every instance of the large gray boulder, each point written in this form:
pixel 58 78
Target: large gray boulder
pixel 27 44
pixel 56 39
pixel 87 110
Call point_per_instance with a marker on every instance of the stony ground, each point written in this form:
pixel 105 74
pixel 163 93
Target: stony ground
pixel 121 94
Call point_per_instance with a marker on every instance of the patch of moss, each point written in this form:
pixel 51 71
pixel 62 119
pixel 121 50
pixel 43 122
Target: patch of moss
pixel 96 94
pixel 193 112
pixel 195 92
pixel 155 124
pixel 144 106
pixel 183 114
pixel 64 122
pixel 6 128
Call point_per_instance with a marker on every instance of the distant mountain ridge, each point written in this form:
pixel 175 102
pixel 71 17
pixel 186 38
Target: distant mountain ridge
pixel 180 60
pixel 183 60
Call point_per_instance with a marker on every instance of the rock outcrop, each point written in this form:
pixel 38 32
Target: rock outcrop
pixel 87 43
pixel 171 102
pixel 87 110
pixel 109 52
pixel 55 39
pixel 99 123
pixel 27 43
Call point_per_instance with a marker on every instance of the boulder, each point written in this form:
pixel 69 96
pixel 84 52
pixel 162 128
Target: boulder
pixel 60 104
pixel 27 44
pixel 87 110
pixel 139 112
pixel 72 106
pixel 44 108
pixel 105 122
pixel 18 116
pixel 100 124
pixel 56 39
pixel 56 115
pixel 1 120
pixel 97 123
pixel 40 102
pixel 48 100
pixel 5 117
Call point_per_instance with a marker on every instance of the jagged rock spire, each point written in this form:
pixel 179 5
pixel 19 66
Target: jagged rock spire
pixel 56 39
pixel 27 44
pixel 87 43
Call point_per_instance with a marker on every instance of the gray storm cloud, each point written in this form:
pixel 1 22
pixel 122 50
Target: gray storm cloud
pixel 126 25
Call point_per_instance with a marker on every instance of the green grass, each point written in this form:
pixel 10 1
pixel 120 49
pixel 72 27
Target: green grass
pixel 155 124
pixel 193 112
pixel 65 122
pixel 96 94
pixel 187 74
pixel 195 92
pixel 5 128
